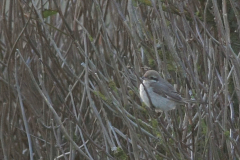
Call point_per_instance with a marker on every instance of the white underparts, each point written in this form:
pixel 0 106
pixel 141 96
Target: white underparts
pixel 158 101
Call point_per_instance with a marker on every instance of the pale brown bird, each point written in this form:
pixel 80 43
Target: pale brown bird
pixel 162 94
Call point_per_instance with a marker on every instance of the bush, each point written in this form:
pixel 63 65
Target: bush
pixel 70 73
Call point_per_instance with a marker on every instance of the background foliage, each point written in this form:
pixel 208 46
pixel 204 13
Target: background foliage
pixel 70 74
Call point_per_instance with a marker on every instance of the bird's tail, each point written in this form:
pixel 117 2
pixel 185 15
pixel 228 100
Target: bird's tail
pixel 194 101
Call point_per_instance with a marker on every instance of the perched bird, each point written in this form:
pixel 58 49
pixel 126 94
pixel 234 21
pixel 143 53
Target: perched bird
pixel 162 94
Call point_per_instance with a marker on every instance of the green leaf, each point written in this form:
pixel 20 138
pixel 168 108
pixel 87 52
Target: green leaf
pixel 48 12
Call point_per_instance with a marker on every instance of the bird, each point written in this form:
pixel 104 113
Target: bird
pixel 160 94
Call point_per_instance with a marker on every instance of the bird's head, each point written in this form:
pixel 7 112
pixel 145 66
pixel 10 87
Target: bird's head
pixel 151 76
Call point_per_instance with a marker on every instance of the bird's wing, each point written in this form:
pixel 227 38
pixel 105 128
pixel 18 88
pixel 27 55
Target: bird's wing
pixel 166 90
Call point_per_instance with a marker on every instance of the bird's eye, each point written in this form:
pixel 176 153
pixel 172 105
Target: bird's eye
pixel 153 78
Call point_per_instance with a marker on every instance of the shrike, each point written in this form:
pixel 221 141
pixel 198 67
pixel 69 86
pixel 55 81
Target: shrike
pixel 162 94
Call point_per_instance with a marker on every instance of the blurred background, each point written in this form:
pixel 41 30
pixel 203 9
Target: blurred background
pixel 70 72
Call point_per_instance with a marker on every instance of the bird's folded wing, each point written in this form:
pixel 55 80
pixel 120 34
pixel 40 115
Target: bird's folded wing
pixel 166 90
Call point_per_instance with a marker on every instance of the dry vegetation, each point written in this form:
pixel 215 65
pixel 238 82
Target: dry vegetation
pixel 69 81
